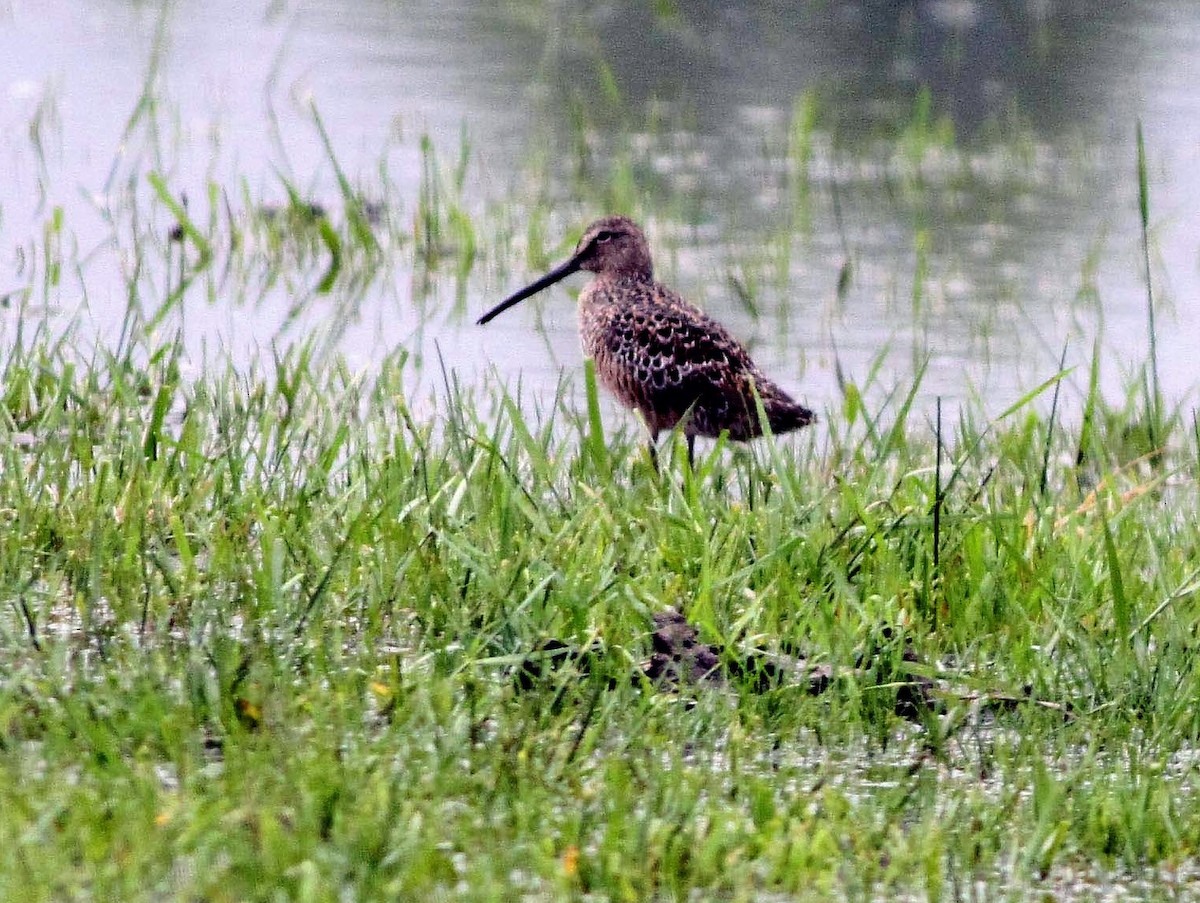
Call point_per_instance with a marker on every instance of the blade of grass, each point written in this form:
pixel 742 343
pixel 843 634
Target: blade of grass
pixel 1062 362
pixel 181 215
pixel 1121 609
pixel 1154 412
pixel 596 445
pixel 1088 428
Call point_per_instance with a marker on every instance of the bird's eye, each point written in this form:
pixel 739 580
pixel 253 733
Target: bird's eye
pixel 604 236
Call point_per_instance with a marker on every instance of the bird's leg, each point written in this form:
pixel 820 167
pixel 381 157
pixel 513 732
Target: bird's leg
pixel 691 439
pixel 654 449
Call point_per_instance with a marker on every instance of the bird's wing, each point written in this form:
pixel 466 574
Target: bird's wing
pixel 672 358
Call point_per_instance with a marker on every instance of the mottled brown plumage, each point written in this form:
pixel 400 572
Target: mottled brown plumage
pixel 659 354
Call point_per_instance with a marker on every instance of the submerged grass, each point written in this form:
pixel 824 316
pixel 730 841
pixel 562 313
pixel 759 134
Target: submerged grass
pixel 260 632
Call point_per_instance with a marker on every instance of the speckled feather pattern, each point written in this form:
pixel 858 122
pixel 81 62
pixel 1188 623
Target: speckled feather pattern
pixel 656 352
pixel 667 359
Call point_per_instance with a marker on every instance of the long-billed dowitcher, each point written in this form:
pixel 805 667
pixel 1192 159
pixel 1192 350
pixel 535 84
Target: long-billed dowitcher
pixel 658 353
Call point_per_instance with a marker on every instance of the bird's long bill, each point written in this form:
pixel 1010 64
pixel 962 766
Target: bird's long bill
pixel 561 271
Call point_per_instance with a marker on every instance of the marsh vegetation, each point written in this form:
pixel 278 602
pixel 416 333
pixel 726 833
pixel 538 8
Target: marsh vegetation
pixel 308 590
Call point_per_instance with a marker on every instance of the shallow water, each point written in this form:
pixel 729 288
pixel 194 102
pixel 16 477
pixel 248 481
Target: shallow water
pixel 983 256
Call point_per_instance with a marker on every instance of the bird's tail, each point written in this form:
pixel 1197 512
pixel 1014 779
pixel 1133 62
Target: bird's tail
pixel 785 414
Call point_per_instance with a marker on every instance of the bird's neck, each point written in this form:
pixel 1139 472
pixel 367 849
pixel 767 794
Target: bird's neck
pixel 627 276
pixel 615 288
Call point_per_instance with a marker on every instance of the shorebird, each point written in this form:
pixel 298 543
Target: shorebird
pixel 658 353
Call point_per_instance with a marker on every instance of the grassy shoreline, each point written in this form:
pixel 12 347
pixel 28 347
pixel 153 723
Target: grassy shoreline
pixel 263 624
pixel 260 634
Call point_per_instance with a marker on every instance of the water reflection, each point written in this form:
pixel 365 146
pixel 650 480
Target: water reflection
pixel 1029 234
pixel 1057 63
pixel 985 229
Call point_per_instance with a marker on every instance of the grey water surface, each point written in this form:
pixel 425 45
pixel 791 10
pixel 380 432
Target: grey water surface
pixel 974 237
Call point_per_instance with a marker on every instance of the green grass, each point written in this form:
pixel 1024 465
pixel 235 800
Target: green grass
pixel 260 622
pixel 259 632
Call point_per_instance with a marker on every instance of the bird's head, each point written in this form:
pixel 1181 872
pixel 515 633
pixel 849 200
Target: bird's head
pixel 612 246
